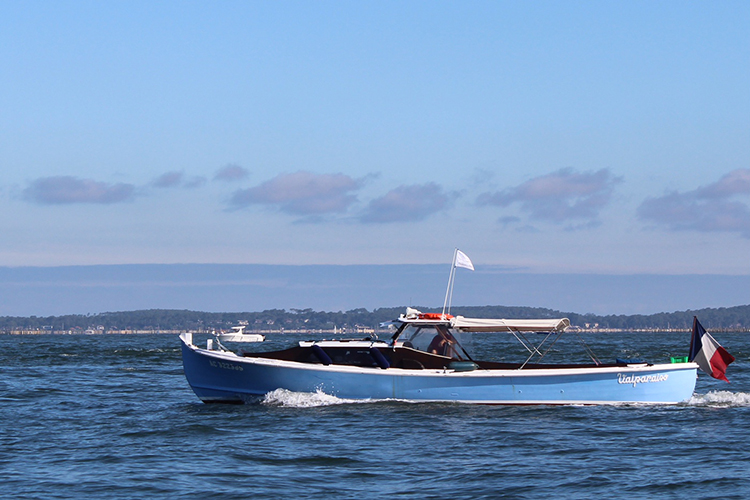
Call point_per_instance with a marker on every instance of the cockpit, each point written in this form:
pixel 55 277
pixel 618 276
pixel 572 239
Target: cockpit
pixel 434 339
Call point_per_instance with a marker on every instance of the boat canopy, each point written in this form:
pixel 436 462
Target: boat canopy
pixel 460 323
pixel 508 325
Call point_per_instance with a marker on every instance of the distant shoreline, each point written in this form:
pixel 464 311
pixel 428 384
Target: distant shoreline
pixel 358 322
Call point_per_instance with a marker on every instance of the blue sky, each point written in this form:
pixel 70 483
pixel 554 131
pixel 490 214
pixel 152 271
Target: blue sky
pixel 548 137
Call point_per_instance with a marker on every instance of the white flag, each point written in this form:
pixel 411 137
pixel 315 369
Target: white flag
pixel 463 260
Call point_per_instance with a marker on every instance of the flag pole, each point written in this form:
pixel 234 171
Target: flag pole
pixel 453 282
pixel 450 282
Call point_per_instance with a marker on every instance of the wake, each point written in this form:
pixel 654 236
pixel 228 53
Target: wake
pixel 289 399
pixel 721 399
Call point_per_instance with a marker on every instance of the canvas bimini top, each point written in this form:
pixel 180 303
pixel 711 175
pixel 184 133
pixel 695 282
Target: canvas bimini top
pixel 460 323
pixel 508 325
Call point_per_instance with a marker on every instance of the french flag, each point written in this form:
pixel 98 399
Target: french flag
pixel 707 353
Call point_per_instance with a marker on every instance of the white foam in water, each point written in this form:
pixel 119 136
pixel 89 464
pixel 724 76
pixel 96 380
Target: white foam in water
pixel 721 399
pixel 289 399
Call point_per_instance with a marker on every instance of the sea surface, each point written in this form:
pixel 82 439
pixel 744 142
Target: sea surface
pixel 112 417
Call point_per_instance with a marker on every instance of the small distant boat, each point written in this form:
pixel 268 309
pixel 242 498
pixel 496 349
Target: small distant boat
pixel 238 335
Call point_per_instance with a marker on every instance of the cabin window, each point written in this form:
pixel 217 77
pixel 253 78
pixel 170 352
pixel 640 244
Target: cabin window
pixel 437 339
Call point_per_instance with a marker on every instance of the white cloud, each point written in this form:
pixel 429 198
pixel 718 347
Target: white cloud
pixel 231 173
pixel 408 203
pixel 735 182
pixel 562 196
pixel 57 190
pixel 301 193
pixel 168 180
pixel 706 209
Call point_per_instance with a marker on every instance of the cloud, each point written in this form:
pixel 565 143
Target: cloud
pixel 559 197
pixel 408 203
pixel 194 182
pixel 509 219
pixel 301 193
pixel 58 190
pixel 735 182
pixel 231 173
pixel 706 209
pixel 168 180
pixel 177 179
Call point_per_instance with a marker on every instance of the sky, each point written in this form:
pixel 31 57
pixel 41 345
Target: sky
pixel 602 138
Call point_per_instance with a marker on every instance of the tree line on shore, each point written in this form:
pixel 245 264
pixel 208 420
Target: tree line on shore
pixel 723 318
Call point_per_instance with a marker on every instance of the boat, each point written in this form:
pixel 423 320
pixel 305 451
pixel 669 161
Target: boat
pixel 426 359
pixel 238 335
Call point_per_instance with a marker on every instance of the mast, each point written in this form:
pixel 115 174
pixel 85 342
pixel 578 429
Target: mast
pixel 460 259
pixel 449 289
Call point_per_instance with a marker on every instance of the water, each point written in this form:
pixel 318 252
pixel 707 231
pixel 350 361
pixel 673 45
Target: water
pixel 112 417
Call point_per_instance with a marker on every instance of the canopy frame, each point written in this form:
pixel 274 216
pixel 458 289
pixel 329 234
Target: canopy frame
pixel 535 350
pixel 518 328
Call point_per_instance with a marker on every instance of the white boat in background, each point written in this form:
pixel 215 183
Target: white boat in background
pixel 238 335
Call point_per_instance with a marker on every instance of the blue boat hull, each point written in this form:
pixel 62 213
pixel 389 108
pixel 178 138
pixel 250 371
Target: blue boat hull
pixel 217 376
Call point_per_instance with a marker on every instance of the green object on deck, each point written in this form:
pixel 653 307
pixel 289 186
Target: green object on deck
pixel 679 359
pixel 462 366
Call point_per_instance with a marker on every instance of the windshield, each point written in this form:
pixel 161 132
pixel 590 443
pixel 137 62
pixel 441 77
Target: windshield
pixel 437 339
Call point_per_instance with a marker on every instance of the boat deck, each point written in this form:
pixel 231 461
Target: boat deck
pixel 398 357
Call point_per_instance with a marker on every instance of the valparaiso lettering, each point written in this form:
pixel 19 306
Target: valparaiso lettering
pixel 641 379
